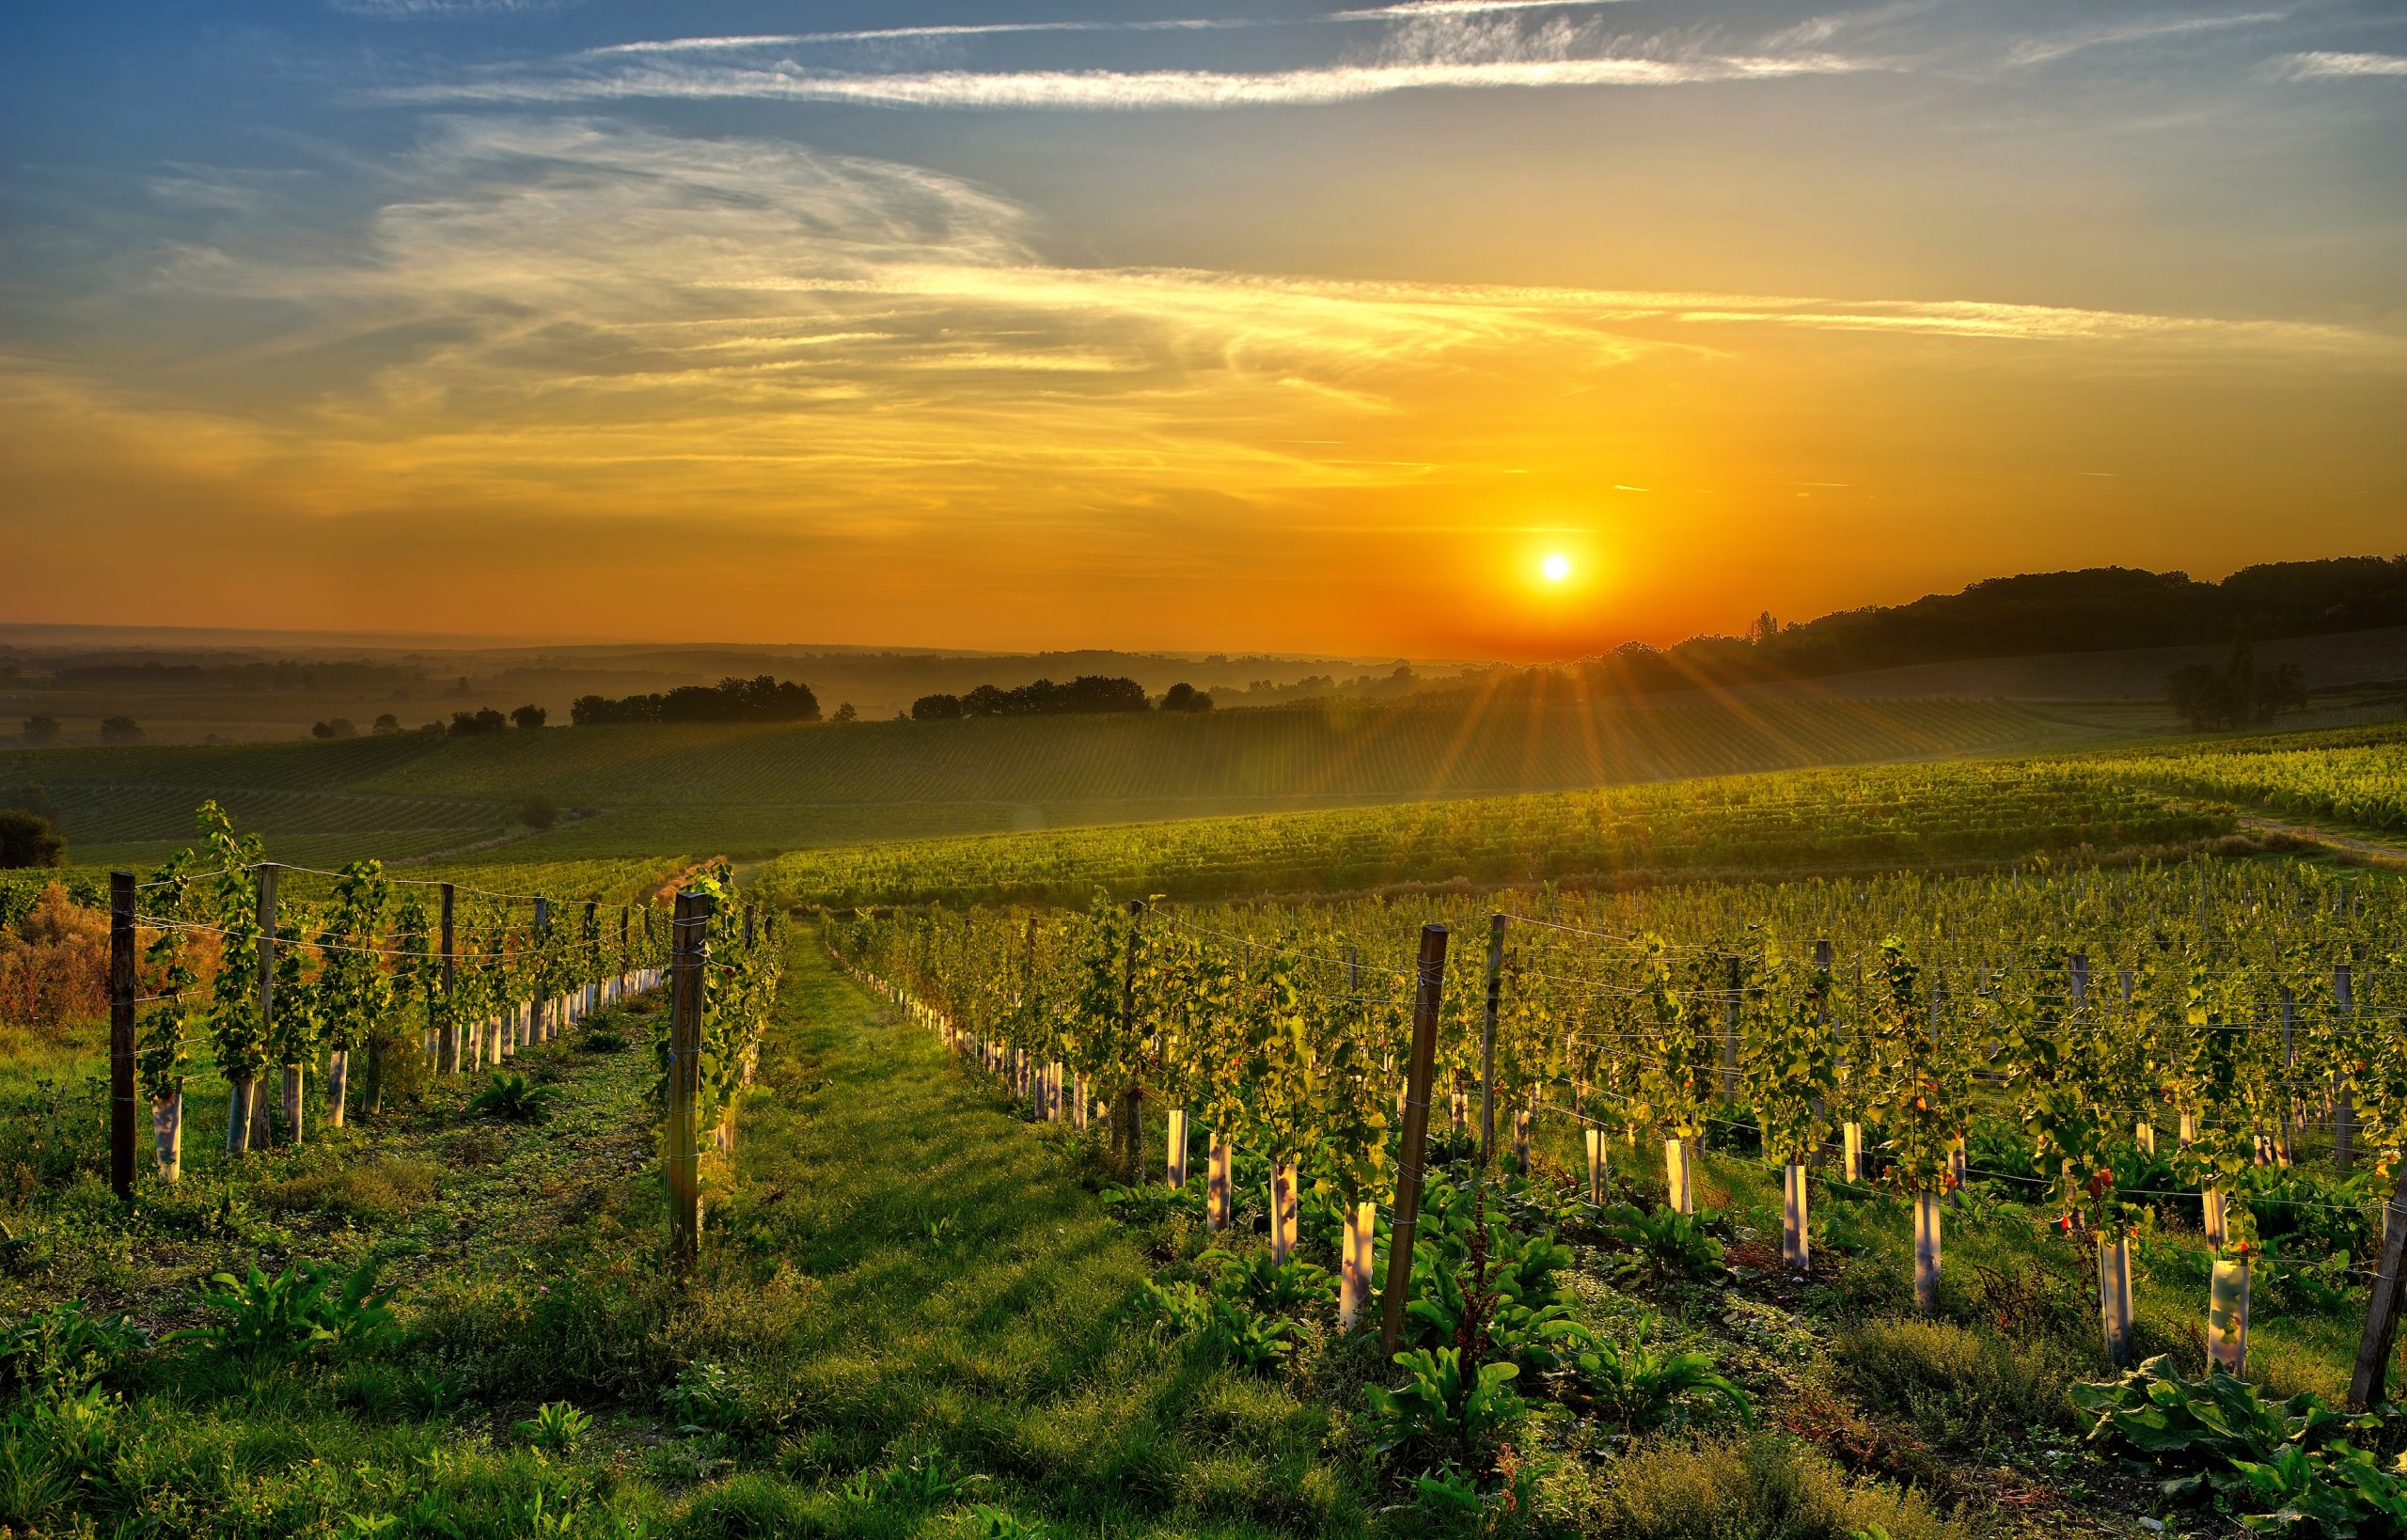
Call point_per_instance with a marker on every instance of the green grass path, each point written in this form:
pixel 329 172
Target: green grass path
pixel 968 1308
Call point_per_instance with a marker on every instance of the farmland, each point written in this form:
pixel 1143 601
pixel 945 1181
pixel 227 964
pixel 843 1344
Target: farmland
pixel 754 790
pixel 943 1288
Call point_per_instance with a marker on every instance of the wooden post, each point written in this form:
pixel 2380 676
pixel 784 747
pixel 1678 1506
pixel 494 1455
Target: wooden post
pixel 626 924
pixel 1430 986
pixel 121 1034
pixel 690 935
pixel 1283 1203
pixel 1488 1039
pixel 446 1041
pixel 2368 1383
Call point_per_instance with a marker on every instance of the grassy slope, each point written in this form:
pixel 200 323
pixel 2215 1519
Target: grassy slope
pixel 855 1343
pixel 755 789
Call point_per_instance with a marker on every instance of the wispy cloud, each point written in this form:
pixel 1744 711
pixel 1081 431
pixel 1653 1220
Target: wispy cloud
pixel 2048 50
pixel 1096 90
pixel 1408 8
pixel 413 11
pixel 2324 66
pixel 749 43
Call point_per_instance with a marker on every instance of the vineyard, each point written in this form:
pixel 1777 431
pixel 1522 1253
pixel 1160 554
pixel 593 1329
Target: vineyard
pixel 2356 777
pixel 1982 1148
pixel 1972 811
pixel 755 789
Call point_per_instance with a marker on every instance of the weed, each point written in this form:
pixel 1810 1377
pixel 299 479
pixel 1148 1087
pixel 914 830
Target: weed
pixel 556 1425
pixel 514 1098
pixel 306 1304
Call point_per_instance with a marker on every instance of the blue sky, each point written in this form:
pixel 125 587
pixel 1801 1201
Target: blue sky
pixel 985 305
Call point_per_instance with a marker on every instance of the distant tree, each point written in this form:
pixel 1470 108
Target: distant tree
pixel 2239 694
pixel 2201 695
pixel 26 840
pixel 528 717
pixel 762 699
pixel 461 687
pixel 475 724
pixel 29 797
pixel 935 708
pixel 845 713
pixel 432 730
pixel 338 728
pixel 540 813
pixel 120 729
pixel 1763 630
pixel 387 726
pixel 42 730
pixel 1185 696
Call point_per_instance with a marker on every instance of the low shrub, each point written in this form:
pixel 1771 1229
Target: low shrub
pixel 1958 1386
pixel 381 1189
pixel 1765 1487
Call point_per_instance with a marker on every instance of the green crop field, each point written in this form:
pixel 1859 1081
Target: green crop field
pixel 935 1297
pixel 1838 819
pixel 753 791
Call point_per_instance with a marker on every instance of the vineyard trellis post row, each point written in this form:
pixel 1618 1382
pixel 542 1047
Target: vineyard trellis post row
pixel 689 936
pixel 1404 1225
pixel 446 1032
pixel 1488 1039
pixel 121 1034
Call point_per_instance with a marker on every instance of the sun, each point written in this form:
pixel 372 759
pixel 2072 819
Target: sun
pixel 1556 567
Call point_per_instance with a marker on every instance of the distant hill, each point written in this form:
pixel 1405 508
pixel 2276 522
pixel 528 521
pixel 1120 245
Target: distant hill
pixel 2031 616
pixel 747 789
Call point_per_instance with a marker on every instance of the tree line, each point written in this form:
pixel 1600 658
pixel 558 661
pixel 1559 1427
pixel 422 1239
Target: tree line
pixel 1086 694
pixel 761 698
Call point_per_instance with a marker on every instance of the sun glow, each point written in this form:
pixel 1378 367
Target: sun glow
pixel 1556 567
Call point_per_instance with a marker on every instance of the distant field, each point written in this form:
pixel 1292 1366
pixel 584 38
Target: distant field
pixel 2356 777
pixel 1836 819
pixel 756 791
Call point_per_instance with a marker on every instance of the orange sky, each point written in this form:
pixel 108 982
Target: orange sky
pixel 513 349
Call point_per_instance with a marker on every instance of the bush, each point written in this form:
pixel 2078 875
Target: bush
pixel 1957 1386
pixel 26 840
pixel 1764 1487
pixel 540 812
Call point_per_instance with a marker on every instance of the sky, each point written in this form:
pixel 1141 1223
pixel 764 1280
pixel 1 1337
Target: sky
pixel 1172 323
